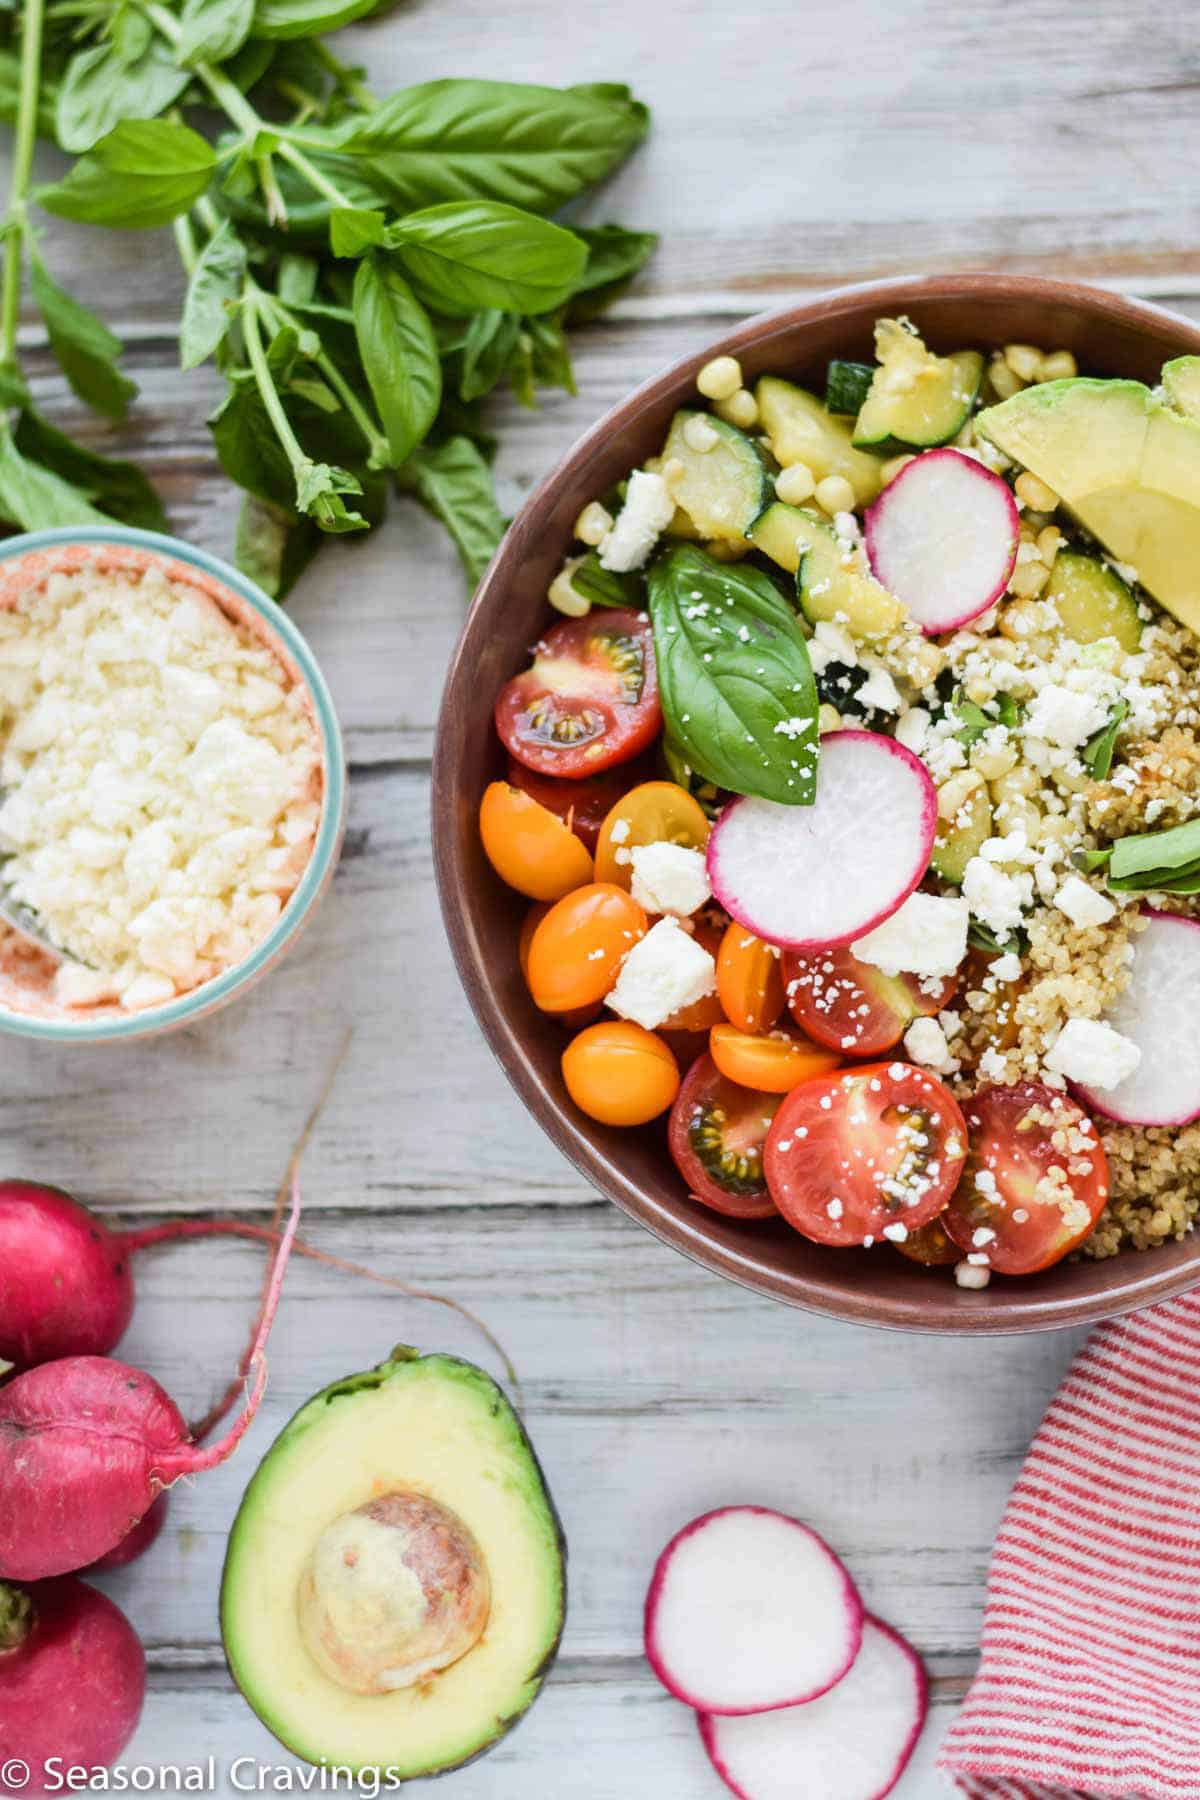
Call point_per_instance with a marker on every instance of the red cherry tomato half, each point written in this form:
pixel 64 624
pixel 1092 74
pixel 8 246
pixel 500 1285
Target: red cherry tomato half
pixel 588 700
pixel 1036 1181
pixel 716 1135
pixel 583 805
pixel 869 1152
pixel 931 1246
pixel 854 1007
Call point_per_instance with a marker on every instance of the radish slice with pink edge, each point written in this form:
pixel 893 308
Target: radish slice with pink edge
pixel 1158 1011
pixel 749 1609
pixel 813 877
pixel 853 1743
pixel 942 537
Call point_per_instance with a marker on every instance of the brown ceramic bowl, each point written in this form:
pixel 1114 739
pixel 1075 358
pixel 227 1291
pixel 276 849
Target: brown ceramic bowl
pixel 1109 335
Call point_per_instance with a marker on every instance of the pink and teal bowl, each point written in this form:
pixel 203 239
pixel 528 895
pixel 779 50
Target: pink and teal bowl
pixel 27 1007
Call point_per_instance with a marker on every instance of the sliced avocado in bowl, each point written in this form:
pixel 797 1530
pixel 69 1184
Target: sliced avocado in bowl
pixel 1125 465
pixel 395 1582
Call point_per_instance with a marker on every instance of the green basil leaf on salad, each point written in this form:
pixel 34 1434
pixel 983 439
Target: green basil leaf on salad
pixel 470 254
pixel 1097 753
pixel 1155 859
pixel 144 173
pixel 605 587
pixel 739 699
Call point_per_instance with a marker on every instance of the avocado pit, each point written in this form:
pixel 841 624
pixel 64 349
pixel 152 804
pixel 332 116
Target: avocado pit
pixel 392 1592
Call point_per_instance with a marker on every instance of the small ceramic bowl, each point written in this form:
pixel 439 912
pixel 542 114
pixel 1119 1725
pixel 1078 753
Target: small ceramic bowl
pixel 27 1005
pixel 1109 335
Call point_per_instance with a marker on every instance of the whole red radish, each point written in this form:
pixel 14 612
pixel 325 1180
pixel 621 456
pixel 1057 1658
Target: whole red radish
pixel 65 1286
pixel 135 1543
pixel 87 1445
pixel 72 1678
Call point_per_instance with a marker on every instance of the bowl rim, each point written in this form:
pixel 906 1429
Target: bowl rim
pixel 308 890
pixel 955 1315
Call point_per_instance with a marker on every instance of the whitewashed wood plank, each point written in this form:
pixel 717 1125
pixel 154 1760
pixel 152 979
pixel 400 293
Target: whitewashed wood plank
pixel 654 1391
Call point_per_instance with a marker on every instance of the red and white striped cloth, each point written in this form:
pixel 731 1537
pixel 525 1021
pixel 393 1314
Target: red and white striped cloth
pixel 1090 1676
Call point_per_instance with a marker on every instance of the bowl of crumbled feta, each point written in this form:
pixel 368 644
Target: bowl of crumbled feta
pixel 817 804
pixel 172 783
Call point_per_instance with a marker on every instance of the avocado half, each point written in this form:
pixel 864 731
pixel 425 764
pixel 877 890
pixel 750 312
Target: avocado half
pixel 332 1506
pixel 1125 465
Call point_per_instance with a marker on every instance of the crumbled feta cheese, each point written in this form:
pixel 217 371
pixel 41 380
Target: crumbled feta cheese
pixel 911 729
pixel 1091 1052
pixel 648 510
pixel 830 643
pixel 1064 717
pixel 995 897
pixel 991 1067
pixel 925 936
pixel 880 691
pixel 665 970
pixel 926 1043
pixel 972 1275
pixel 669 878
pixel 1006 968
pixel 1082 903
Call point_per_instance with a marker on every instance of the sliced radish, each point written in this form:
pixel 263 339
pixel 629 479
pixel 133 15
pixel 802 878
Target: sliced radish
pixel 812 877
pixel 943 538
pixel 749 1609
pixel 852 1744
pixel 1158 1011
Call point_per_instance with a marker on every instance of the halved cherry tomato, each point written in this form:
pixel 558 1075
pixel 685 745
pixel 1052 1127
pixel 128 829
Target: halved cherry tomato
pixel 770 1065
pixel 588 700
pixel 875 1149
pixel 529 846
pixel 1025 1201
pixel 853 1006
pixel 578 1016
pixel 749 980
pixel 619 1074
pixel 687 1047
pixel 583 804
pixel 657 812
pixel 931 1246
pixel 576 951
pixel 716 1136
pixel 702 1014
pixel 1003 1026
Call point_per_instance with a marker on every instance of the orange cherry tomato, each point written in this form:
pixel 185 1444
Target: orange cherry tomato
pixel 529 846
pixel 749 980
pixel 702 1014
pixel 619 1074
pixel 770 1065
pixel 576 951
pixel 657 812
pixel 578 1016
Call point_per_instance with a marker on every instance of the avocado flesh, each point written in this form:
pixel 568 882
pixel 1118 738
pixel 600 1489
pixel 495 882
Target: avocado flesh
pixel 1125 465
pixel 439 1427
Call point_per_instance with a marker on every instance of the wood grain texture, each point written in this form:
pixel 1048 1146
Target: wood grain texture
pixel 790 150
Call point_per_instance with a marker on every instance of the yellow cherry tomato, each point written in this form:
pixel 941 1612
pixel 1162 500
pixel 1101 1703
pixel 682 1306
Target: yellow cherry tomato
pixel 771 1065
pixel 576 951
pixel 619 1074
pixel 529 846
pixel 749 980
pixel 656 812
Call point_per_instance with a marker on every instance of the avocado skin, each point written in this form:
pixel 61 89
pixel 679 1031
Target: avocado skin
pixel 369 1380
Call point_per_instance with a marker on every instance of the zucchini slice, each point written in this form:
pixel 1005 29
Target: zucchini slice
pixel 916 409
pixel 1092 601
pixel 806 546
pixel 724 488
pixel 847 385
pixel 958 840
pixel 1181 385
pixel 801 430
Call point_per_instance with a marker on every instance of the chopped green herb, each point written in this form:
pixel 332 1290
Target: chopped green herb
pixel 1098 751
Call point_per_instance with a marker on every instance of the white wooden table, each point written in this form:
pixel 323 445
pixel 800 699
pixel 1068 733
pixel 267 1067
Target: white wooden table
pixel 793 147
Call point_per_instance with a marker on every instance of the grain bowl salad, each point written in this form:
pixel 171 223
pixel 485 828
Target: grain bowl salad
pixel 160 785
pixel 856 790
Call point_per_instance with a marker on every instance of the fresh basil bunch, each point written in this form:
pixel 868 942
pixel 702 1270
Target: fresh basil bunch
pixel 363 271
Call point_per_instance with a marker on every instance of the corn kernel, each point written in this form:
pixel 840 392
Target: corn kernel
pixel 593 524
pixel 835 495
pixel 562 594
pixel 828 718
pixel 1005 383
pixel 1035 493
pixel 891 469
pixel 1024 360
pixel 698 434
pixel 720 379
pixel 1028 580
pixel 1049 543
pixel 726 550
pixel 741 409
pixel 1015 787
pixel 795 484
pixel 954 793
pixel 1060 365
pixel 992 763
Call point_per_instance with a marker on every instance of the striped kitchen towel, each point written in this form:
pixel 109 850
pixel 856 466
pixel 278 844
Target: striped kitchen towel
pixel 1089 1682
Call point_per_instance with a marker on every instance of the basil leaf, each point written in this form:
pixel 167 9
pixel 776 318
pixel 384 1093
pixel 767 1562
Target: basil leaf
pixel 500 140
pixel 472 254
pixel 306 18
pixel 487 349
pixel 738 695
pixel 604 587
pixel 211 30
pixel 1009 711
pixel 216 283
pixel 273 545
pixel 319 490
pixel 454 483
pixel 84 348
pixel 109 83
pixel 296 280
pixel 37 499
pixel 1097 753
pixel 118 488
pixel 550 358
pixel 247 447
pixel 144 173
pixel 353 229
pixel 399 353
pixel 1148 858
pixel 614 256
pixel 974 721
pixel 982 939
